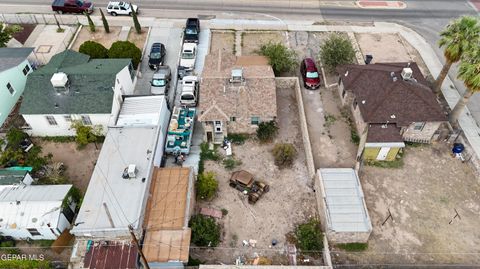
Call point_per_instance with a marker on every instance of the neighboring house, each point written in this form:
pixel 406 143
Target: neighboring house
pixel 14 69
pixel 74 87
pixel 10 178
pixel 36 211
pixel 118 189
pixel 342 207
pixel 166 242
pixel 391 103
pixel 237 93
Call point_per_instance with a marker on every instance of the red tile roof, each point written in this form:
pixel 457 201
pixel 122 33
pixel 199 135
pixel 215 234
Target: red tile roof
pixel 111 254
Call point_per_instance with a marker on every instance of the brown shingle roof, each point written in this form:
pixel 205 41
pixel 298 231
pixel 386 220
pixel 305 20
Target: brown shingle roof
pixel 383 133
pixel 251 95
pixel 381 99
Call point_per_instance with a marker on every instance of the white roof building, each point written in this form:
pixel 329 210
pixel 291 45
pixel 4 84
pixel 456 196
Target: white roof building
pixel 117 192
pixel 342 206
pixel 32 207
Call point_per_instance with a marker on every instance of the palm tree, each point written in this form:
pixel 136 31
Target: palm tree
pixel 456 39
pixel 469 72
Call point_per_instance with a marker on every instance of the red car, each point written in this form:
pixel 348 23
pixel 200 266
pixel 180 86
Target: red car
pixel 311 78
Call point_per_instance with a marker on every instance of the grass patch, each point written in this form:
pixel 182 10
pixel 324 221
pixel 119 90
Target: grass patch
pixel 397 163
pixel 414 144
pixel 206 154
pixel 329 120
pixel 231 163
pixel 353 246
pixel 58 139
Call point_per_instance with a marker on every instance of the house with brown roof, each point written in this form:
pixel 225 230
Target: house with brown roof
pixel 238 92
pixel 391 104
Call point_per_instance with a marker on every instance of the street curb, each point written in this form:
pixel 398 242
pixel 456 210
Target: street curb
pixel 381 4
pixel 75 36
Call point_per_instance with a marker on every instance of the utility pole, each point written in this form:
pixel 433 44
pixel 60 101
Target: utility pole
pixel 135 241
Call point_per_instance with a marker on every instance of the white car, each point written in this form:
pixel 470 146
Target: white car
pixel 121 8
pixel 189 53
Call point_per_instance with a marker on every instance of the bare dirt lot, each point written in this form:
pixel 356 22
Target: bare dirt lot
pixel 290 200
pixel 390 48
pixel 224 41
pixel 422 197
pixel 251 41
pixel 79 163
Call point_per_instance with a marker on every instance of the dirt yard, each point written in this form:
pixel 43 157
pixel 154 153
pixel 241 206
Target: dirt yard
pixel 224 41
pixel 138 39
pixel 290 200
pixel 99 36
pixel 422 197
pixel 79 163
pixel 251 41
pixel 399 50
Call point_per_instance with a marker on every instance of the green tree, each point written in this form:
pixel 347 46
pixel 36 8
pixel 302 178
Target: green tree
pixel 207 186
pixel 456 39
pixel 6 32
pixel 205 231
pixel 105 22
pixel 125 49
pixel 281 58
pixel 138 28
pixel 91 25
pixel 94 50
pixel 267 131
pixel 284 154
pixel 309 236
pixel 337 50
pixel 469 72
pixel 85 134
pixel 14 137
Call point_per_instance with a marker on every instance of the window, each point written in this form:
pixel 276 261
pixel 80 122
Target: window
pixel 355 104
pixel 255 120
pixel 233 118
pixel 26 69
pixel 68 118
pixel 10 88
pixel 218 127
pixel 418 126
pixel 51 120
pixel 86 120
pixel 33 231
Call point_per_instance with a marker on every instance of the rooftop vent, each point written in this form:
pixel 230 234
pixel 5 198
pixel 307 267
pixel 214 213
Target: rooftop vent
pixel 59 80
pixel 237 75
pixel 407 73
pixel 130 171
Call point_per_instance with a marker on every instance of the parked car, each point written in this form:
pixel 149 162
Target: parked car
pixel 72 6
pixel 189 53
pixel 192 30
pixel 311 78
pixel 161 81
pixel 189 96
pixel 156 56
pixel 121 8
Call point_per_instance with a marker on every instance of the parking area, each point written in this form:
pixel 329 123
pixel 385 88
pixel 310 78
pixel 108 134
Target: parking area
pixel 290 200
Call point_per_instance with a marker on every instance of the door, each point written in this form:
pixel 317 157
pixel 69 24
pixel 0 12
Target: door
pixel 382 155
pixel 209 137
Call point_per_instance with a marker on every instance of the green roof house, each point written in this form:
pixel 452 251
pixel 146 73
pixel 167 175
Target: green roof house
pixel 14 68
pixel 74 87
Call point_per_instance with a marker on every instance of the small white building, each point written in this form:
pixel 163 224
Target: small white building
pixel 35 211
pixel 118 190
pixel 342 207
pixel 74 87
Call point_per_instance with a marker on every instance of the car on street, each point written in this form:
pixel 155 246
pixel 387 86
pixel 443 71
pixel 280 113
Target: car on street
pixel 72 6
pixel 156 56
pixel 121 8
pixel 189 53
pixel 192 30
pixel 160 82
pixel 310 75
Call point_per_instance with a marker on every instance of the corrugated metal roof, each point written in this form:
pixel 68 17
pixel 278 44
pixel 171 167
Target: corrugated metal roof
pixel 31 206
pixel 346 210
pixel 10 177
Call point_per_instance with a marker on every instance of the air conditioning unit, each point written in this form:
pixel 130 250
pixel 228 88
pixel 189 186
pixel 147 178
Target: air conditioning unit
pixel 407 73
pixel 132 171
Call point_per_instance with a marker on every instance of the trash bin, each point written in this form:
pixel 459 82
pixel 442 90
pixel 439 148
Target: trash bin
pixel 458 148
pixel 368 58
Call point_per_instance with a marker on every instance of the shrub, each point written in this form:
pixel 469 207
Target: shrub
pixel 238 139
pixel 105 22
pixel 337 50
pixel 206 154
pixel 207 186
pixel 281 58
pixel 138 28
pixel 353 246
pixel 267 131
pixel 354 136
pixel 91 25
pixel 193 262
pixel 25 264
pixel 205 231
pixel 85 134
pixel 34 159
pixel 125 49
pixel 309 236
pixel 15 137
pixel 6 33
pixel 231 163
pixel 224 211
pixel 284 154
pixel 94 50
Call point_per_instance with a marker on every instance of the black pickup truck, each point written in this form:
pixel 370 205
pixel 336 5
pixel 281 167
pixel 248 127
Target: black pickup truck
pixel 72 6
pixel 192 30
